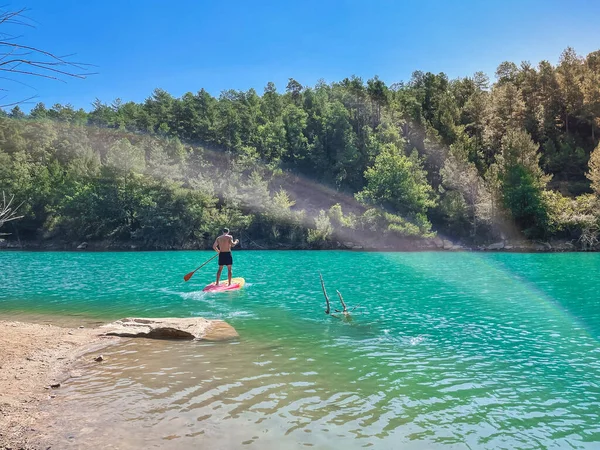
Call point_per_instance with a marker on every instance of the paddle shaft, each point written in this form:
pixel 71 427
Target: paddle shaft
pixel 189 275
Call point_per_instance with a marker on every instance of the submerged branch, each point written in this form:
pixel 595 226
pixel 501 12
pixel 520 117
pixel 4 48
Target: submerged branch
pixel 355 307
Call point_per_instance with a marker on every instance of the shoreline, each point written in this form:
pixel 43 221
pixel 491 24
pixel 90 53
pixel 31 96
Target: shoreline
pixel 431 245
pixel 36 356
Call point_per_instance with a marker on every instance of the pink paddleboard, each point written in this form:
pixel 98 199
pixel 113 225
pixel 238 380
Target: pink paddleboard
pixel 236 283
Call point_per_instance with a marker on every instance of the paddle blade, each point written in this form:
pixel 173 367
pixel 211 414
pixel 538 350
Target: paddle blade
pixel 188 276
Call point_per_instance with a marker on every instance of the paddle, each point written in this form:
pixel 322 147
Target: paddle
pixel 189 275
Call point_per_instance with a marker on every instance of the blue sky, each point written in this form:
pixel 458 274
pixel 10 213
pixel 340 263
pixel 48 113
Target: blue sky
pixel 186 45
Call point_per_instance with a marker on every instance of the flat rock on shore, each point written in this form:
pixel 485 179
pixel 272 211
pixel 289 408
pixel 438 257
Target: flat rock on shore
pixel 195 328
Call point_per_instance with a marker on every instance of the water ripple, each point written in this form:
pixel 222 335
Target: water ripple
pixel 506 357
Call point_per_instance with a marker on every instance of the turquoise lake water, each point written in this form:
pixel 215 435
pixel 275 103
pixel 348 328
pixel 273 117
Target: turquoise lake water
pixel 446 350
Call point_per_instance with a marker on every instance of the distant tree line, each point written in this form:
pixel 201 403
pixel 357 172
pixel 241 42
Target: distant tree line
pixel 467 158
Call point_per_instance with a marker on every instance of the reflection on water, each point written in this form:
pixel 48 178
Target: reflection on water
pixel 446 351
pixel 401 393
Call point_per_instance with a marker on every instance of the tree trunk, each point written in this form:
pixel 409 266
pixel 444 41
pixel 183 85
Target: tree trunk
pixel 474 192
pixel 493 216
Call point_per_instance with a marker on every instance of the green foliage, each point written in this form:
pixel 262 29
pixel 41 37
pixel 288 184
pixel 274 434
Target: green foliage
pixel 522 183
pixel 570 216
pixel 594 170
pixel 418 227
pixel 523 196
pixel 377 221
pixel 169 171
pixel 456 213
pixel 397 182
pixel 322 231
pixel 124 157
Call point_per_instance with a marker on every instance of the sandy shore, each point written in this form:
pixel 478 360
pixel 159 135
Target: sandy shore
pixel 33 357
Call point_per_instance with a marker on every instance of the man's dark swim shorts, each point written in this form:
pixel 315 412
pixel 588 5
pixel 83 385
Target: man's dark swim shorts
pixel 225 259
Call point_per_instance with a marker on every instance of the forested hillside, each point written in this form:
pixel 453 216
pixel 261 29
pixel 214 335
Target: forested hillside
pixel 469 159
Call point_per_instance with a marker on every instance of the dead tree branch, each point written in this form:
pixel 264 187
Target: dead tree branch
pixel 27 61
pixel 8 213
pixel 328 310
pixel 344 310
pixel 355 307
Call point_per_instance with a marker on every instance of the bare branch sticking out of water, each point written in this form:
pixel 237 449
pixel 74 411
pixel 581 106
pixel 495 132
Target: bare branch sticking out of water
pixel 355 307
pixel 344 310
pixel 328 310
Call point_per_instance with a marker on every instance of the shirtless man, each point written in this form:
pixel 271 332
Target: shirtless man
pixel 223 246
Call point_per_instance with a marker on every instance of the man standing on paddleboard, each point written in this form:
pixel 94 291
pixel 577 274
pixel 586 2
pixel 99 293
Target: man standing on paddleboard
pixel 223 246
